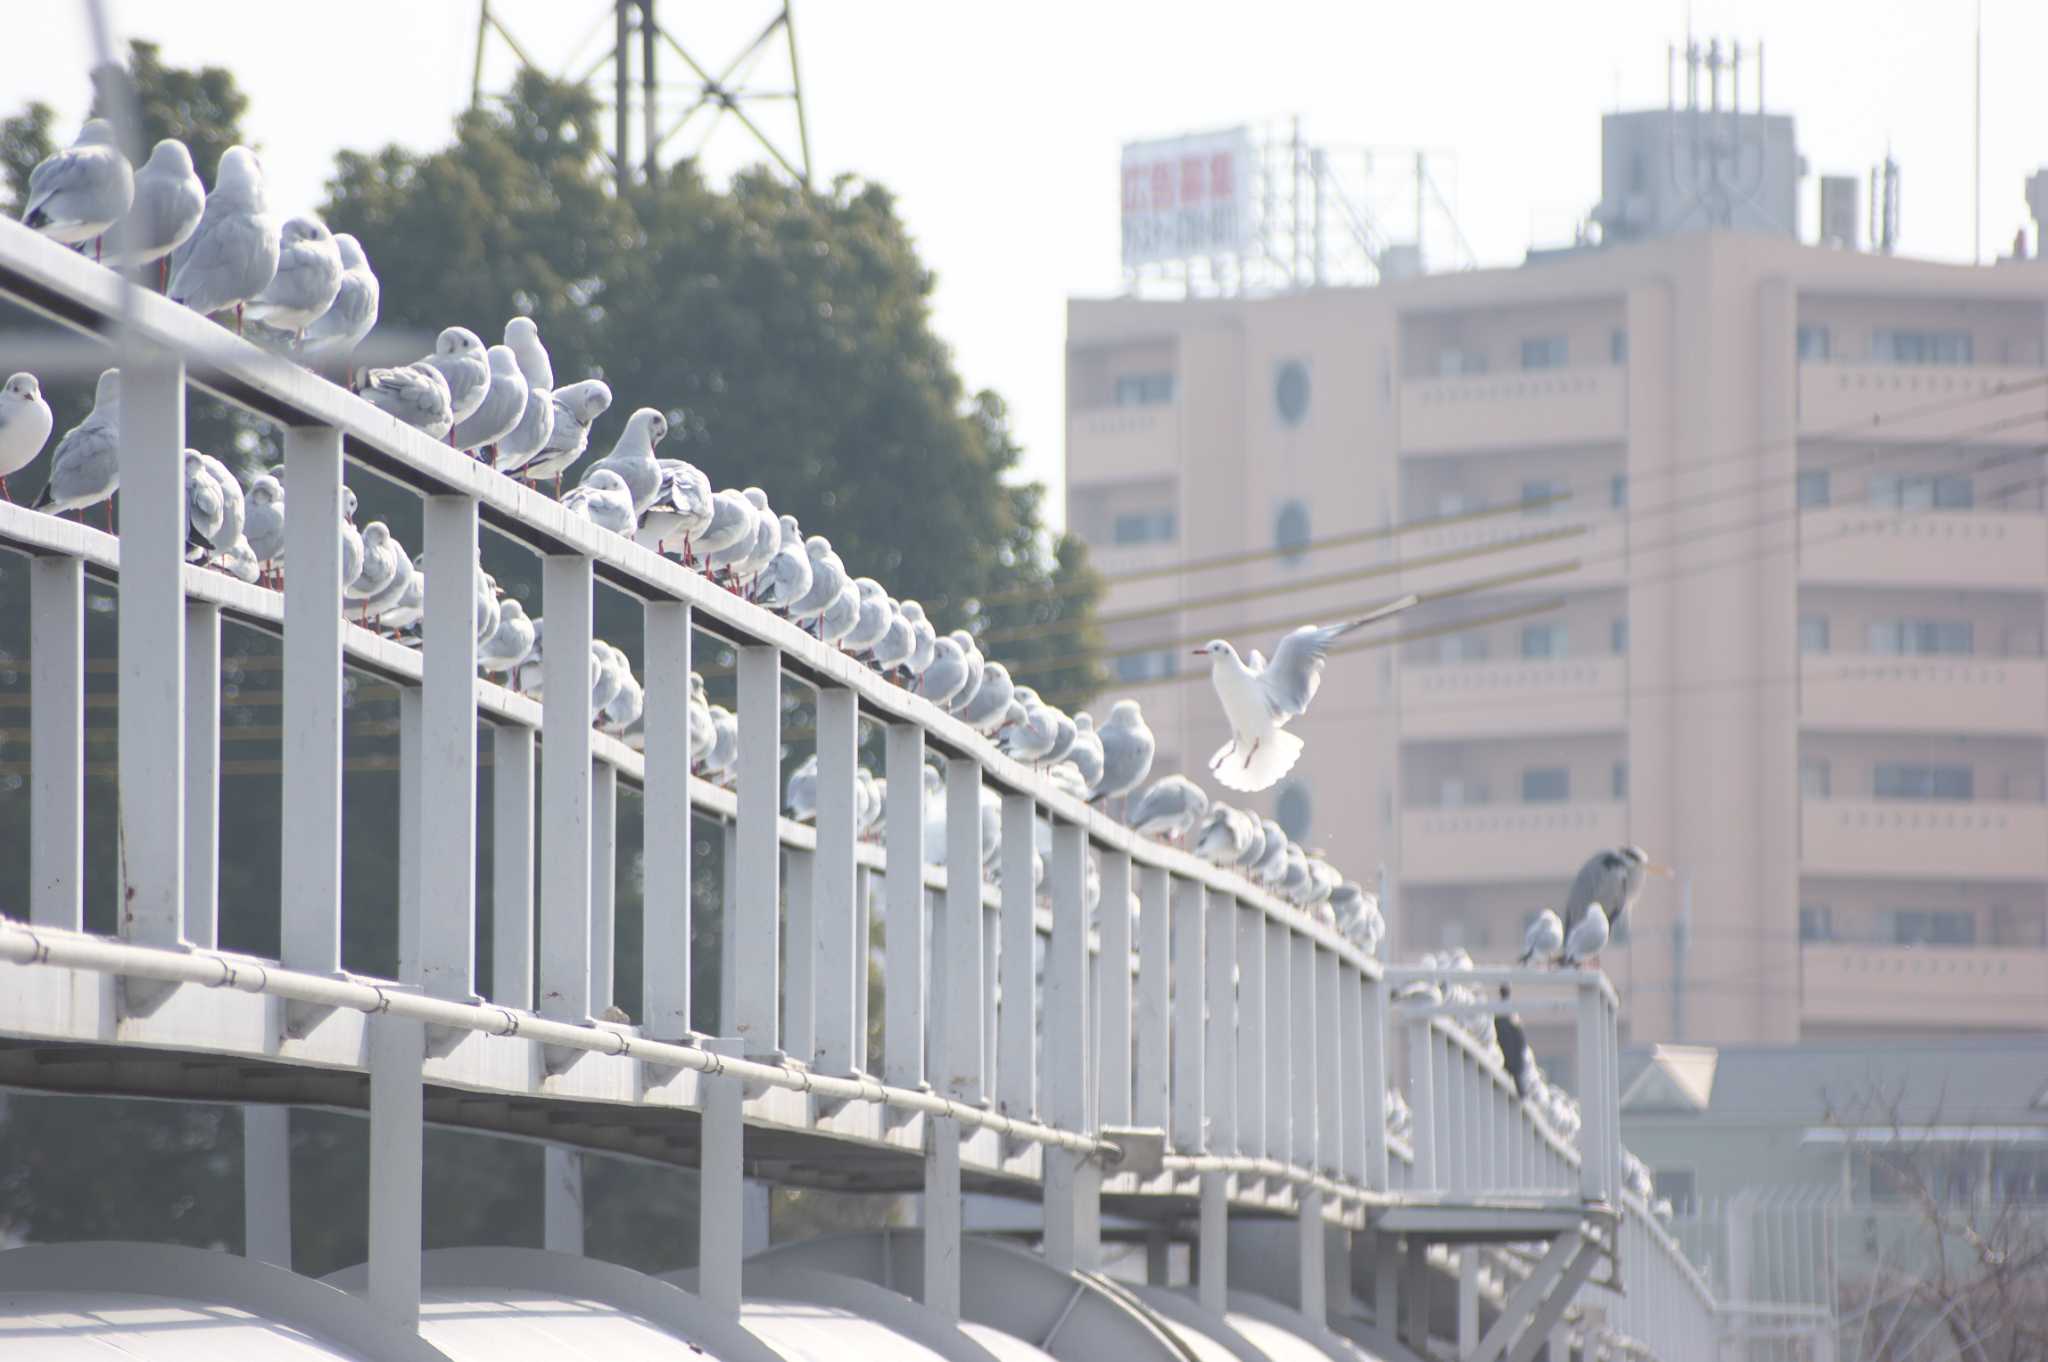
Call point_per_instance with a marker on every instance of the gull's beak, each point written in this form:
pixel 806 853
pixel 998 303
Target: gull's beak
pixel 1199 652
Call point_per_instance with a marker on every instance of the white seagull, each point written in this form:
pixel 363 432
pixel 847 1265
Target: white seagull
pixel 76 194
pixel 169 199
pixel 1259 699
pixel 25 421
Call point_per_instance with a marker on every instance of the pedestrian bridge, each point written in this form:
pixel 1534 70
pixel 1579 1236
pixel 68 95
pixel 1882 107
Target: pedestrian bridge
pixel 1197 1064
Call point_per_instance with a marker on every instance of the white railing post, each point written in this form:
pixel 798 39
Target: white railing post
pixel 1333 1083
pixel 1351 986
pixel 448 750
pixel 410 722
pixel 1189 909
pixel 839 947
pixel 1073 1180
pixel 56 811
pixel 312 675
pixel 799 985
pixel 753 932
pixel 1113 991
pixel 1301 1004
pixel 665 814
pixel 1422 1106
pixel 566 588
pixel 1219 1039
pixel 1375 1047
pixel 1017 1035
pixel 957 1058
pixel 202 774
pixel 1251 1030
pixel 512 866
pixel 1279 1025
pixel 1593 1183
pixel 903 963
pixel 152 650
pixel 604 885
pixel 1151 1019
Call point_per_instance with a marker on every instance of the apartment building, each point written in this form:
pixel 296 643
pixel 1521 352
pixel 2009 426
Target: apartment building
pixel 1764 530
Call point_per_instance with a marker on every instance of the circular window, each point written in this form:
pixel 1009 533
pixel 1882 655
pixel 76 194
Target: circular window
pixel 1290 392
pixel 1290 530
pixel 1293 810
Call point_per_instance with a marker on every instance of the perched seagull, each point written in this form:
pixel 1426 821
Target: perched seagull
pixel 530 673
pixel 971 658
pixel 202 509
pixel 767 539
pixel 510 642
pixel 385 563
pixel 828 579
pixel 234 507
pixel 1169 809
pixel 1323 881
pixel 76 194
pixel 1358 917
pixel 487 607
pixel 873 618
pixel 1610 877
pixel 1068 733
pixel 623 710
pixel 537 423
pixel 335 333
pixel 522 337
pixel 991 707
pixel 416 394
pixel 732 524
pixel 786 576
pixel 682 508
pixel 461 360
pixel 702 733
pixel 800 798
pixel 1588 936
pixel 1031 731
pixel 169 200
pixel 232 256
pixel 307 281
pixel 632 457
pixel 1127 750
pixel 608 672
pixel 265 525
pixel 1259 700
pixel 576 406
pixel 924 638
pixel 410 607
pixel 1255 847
pixel 841 616
pixel 85 467
pixel 25 422
pixel 725 744
pixel 947 674
pixel 1544 939
pixel 894 647
pixel 351 541
pixel 503 407
pixel 1223 834
pixel 602 498
pixel 1086 753
pixel 1272 864
pixel 1514 1047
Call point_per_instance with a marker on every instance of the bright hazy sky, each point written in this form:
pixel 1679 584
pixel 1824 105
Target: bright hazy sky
pixel 998 125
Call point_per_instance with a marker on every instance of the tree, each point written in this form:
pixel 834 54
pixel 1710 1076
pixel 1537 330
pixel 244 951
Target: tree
pixel 24 143
pixel 202 108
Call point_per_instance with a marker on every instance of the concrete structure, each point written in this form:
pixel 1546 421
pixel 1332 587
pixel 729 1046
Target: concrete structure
pixel 1785 575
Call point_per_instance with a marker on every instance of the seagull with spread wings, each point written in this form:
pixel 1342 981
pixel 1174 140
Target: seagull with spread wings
pixel 1260 698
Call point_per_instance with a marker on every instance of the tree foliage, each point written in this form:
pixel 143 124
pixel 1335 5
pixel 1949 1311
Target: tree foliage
pixel 202 108
pixel 24 142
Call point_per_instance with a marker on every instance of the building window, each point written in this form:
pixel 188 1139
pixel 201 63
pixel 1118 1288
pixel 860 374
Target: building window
pixel 1677 1186
pixel 1544 352
pixel 1617 491
pixel 1291 530
pixel 1933 927
pixel 1923 780
pixel 1143 390
pixel 1922 638
pixel 1619 783
pixel 1542 496
pixel 1813 342
pixel 1546 785
pixel 1293 810
pixel 1814 778
pixel 1813 633
pixel 1921 347
pixel 1468 646
pixel 1153 665
pixel 1455 361
pixel 1922 492
pixel 1617 346
pixel 1816 922
pixel 1543 640
pixel 1617 635
pixel 1813 488
pixel 1456 792
pixel 1290 392
pixel 1143 527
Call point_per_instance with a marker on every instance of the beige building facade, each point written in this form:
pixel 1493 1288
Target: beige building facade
pixel 1764 558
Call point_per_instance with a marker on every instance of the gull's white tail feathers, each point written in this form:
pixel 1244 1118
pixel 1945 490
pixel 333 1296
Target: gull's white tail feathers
pixel 1251 772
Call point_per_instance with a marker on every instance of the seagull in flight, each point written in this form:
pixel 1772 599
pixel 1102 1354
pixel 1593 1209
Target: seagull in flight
pixel 1259 698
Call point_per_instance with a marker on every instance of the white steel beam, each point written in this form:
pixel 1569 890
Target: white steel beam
pixel 311 742
pixel 1332 1080
pixel 1250 1040
pixel 721 1188
pixel 448 750
pixel 1351 1065
pixel 566 588
pixel 903 964
pixel 152 650
pixel 562 1200
pixel 942 1224
pixel 1189 910
pixel 202 773
pixel 1279 1053
pixel 56 841
pixel 754 930
pixel 666 841
pixel 1212 1243
pixel 397 1132
pixel 410 722
pixel 1310 1284
pixel 267 1185
pixel 839 945
pixel 799 984
pixel 1151 1020
pixel 604 857
pixel 1017 1035
pixel 1073 1180
pixel 957 1057
pixel 1375 1047
pixel 1301 1027
pixel 512 866
pixel 1219 1039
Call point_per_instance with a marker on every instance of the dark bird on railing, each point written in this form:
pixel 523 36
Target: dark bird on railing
pixel 1514 1046
pixel 1613 879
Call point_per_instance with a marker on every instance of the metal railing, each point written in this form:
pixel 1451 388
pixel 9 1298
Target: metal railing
pixel 1251 1037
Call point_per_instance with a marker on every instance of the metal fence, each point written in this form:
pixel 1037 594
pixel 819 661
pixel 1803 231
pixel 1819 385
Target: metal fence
pixel 1013 1051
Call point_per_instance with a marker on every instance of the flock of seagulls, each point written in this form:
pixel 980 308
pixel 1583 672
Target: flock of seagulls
pixel 312 294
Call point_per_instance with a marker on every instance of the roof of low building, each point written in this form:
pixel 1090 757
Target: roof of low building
pixel 1977 1080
